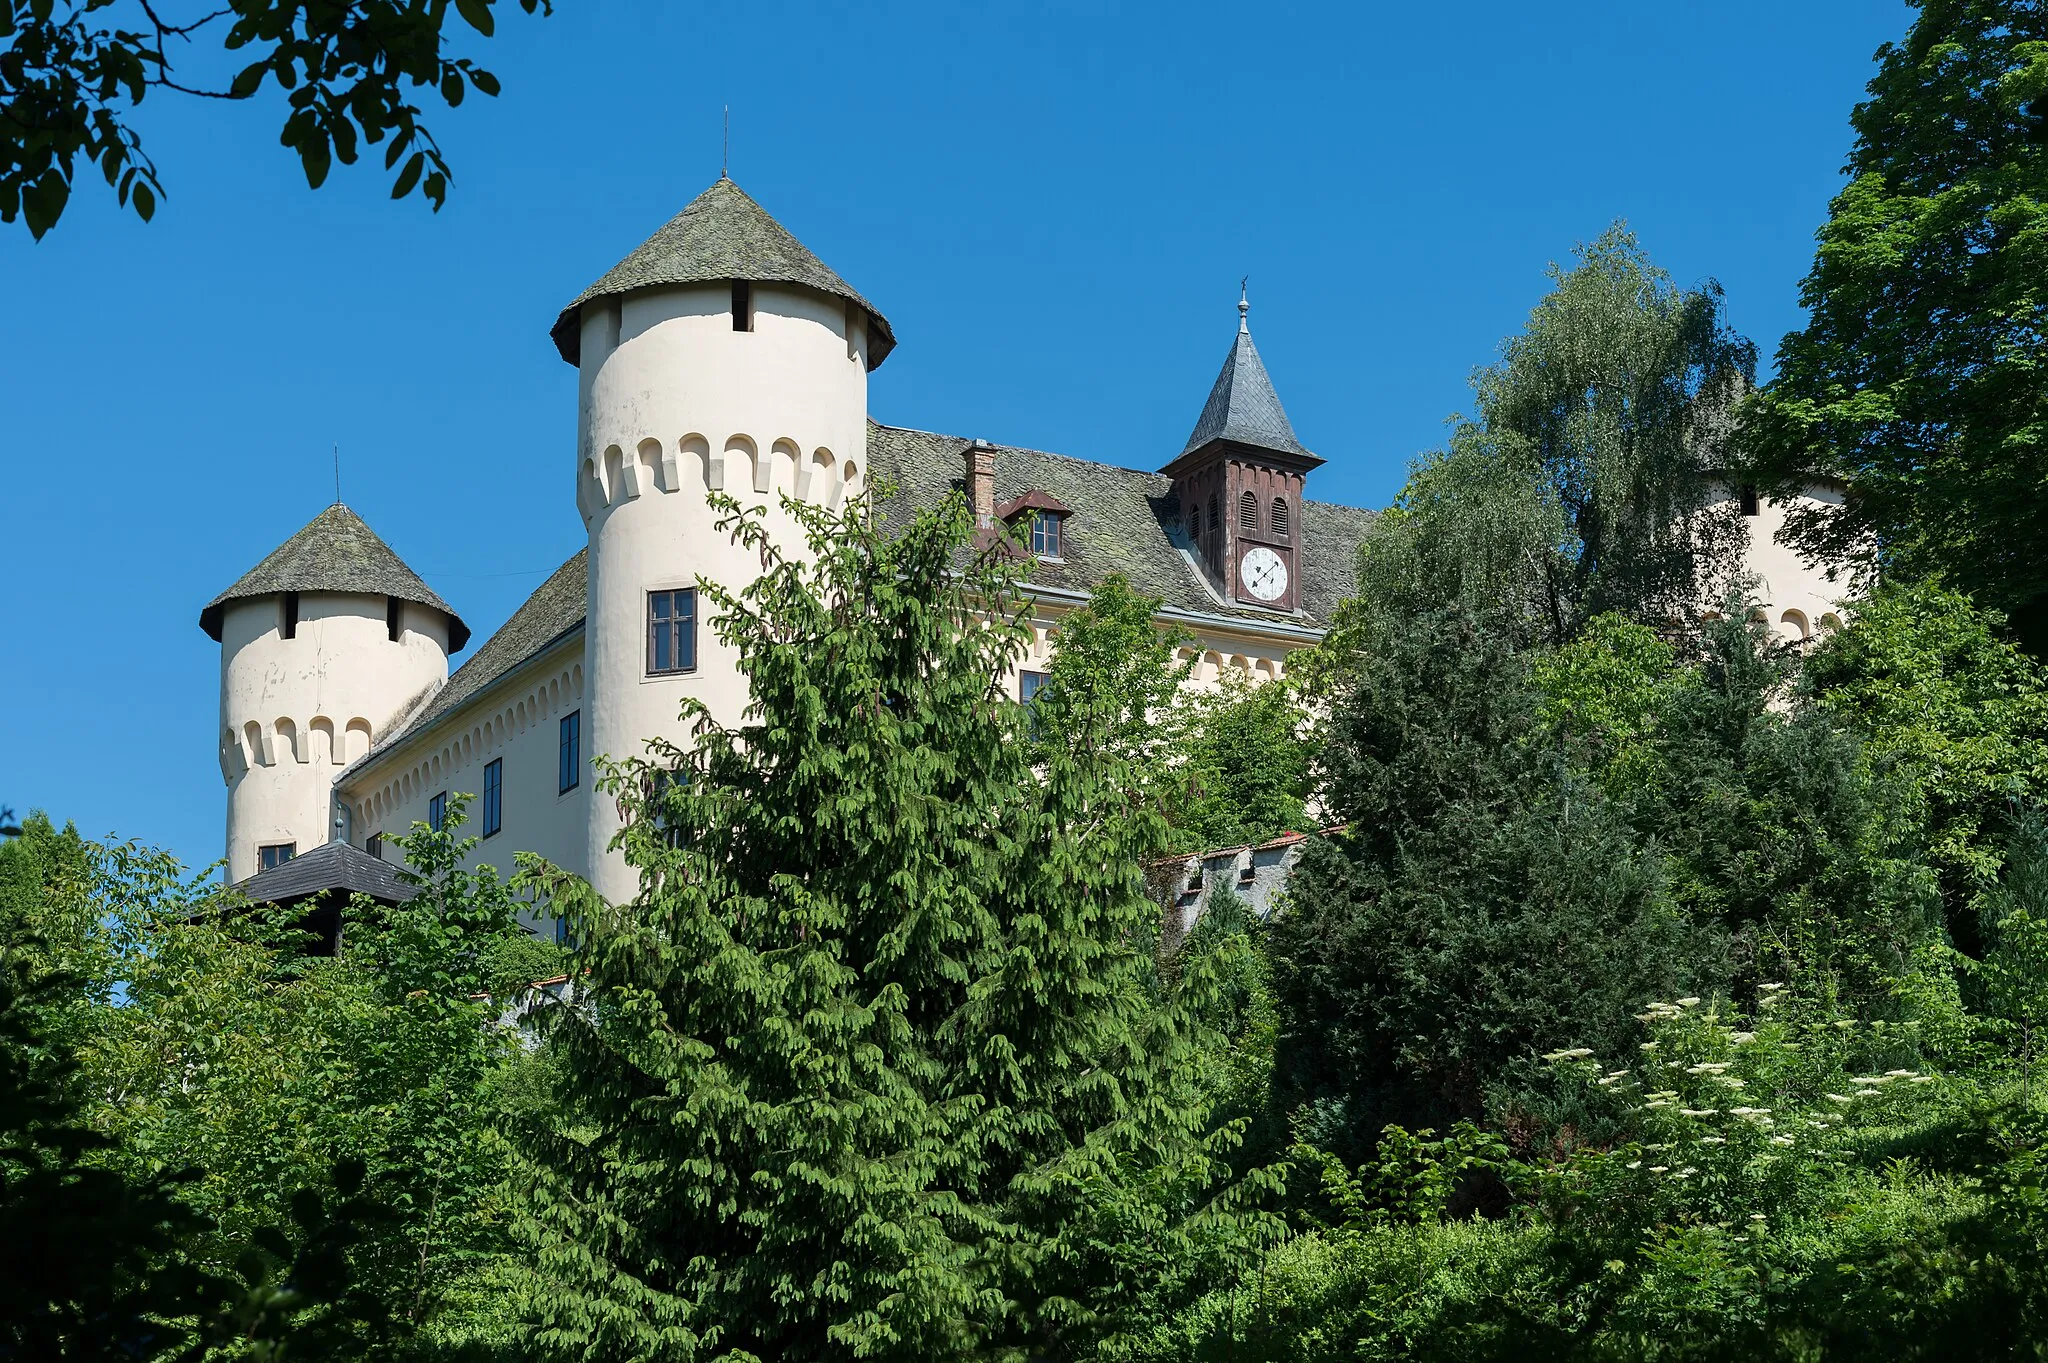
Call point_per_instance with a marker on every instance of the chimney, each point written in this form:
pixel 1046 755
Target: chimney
pixel 981 483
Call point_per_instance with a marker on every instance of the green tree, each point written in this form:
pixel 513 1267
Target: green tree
pixel 1921 378
pixel 1956 711
pixel 877 1063
pixel 73 72
pixel 2015 968
pixel 237 1057
pixel 1248 758
pixel 1485 897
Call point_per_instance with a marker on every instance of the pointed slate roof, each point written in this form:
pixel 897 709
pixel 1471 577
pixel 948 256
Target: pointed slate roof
pixel 330 866
pixel 335 552
pixel 1243 406
pixel 722 235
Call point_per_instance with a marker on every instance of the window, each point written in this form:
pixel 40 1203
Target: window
pixel 569 767
pixel 291 615
pixel 1215 514
pixel 275 855
pixel 1045 534
pixel 494 796
pixel 437 811
pixel 742 305
pixel 1749 503
pixel 1029 684
pixel 1195 526
pixel 394 618
pixel 1248 513
pixel 1280 518
pixel 671 631
pixel 374 845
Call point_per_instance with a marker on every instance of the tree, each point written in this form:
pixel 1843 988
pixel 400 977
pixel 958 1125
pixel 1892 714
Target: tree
pixel 73 73
pixel 1248 759
pixel 877 1058
pixel 1484 900
pixel 1956 711
pixel 1918 381
pixel 258 1069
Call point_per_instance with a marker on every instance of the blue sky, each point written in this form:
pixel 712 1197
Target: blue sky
pixel 1052 204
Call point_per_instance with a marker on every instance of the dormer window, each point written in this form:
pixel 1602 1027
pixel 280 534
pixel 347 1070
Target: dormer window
pixel 1045 534
pixel 1038 519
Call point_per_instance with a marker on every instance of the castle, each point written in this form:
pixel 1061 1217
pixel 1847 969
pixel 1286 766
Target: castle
pixel 723 356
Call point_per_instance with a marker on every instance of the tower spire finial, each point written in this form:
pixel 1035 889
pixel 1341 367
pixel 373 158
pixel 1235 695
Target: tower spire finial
pixel 725 148
pixel 1244 304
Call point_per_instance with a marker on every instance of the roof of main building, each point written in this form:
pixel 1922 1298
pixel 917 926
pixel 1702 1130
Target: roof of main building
pixel 722 235
pixel 334 552
pixel 1122 521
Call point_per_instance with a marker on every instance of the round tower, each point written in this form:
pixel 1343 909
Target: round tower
pixel 327 645
pixel 720 356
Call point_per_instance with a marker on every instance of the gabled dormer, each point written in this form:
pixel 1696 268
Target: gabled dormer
pixel 1240 480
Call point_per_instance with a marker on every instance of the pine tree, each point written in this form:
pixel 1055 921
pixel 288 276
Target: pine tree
pixel 872 1064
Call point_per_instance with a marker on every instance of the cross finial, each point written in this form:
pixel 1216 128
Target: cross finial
pixel 1244 304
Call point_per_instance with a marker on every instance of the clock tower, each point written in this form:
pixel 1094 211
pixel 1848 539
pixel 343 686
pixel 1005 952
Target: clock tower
pixel 1239 481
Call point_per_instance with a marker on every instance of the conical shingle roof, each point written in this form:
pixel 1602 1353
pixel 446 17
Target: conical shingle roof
pixel 722 235
pixel 1243 406
pixel 335 552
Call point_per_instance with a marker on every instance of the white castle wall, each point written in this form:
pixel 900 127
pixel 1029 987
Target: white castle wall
pixel 294 712
pixel 1799 601
pixel 517 722
pixel 675 403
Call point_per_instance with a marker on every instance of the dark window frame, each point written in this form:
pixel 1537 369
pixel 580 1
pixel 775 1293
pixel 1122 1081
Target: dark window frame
pixel 494 797
pixel 374 845
pixel 394 618
pixel 437 811
pixel 677 628
pixel 291 615
pixel 569 754
pixel 1030 683
pixel 742 305
pixel 266 858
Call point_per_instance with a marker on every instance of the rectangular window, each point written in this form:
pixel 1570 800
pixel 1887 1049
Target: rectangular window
pixel 374 845
pixel 1029 684
pixel 742 305
pixel 1749 502
pixel 569 770
pixel 437 811
pixel 1045 534
pixel 494 796
pixel 671 631
pixel 394 618
pixel 275 855
pixel 291 615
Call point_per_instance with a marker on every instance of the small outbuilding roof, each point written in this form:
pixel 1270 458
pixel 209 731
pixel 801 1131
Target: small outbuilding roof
pixel 335 552
pixel 329 867
pixel 722 235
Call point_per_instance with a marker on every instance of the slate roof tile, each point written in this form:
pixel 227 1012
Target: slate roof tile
pixel 334 552
pixel 722 235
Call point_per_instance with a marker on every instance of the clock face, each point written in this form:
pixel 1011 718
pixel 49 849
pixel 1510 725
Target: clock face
pixel 1264 574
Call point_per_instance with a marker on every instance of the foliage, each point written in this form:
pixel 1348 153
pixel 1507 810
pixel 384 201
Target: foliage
pixel 2015 969
pixel 87 1252
pixel 1918 380
pixel 73 72
pixel 877 1063
pixel 1485 897
pixel 1248 757
pixel 1957 712
pixel 1115 683
pixel 257 1067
